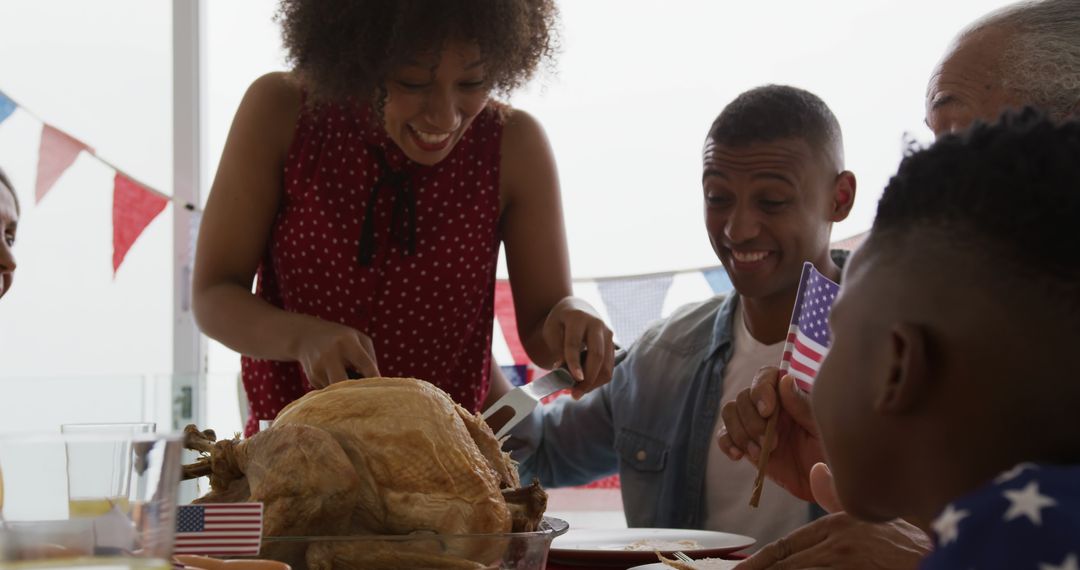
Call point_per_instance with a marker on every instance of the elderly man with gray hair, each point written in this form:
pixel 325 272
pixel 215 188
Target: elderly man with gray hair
pixel 1026 54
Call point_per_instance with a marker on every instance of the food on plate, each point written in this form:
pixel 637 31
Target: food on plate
pixel 702 564
pixel 650 544
pixel 373 456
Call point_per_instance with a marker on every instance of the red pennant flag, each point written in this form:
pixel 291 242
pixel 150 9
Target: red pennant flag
pixel 134 207
pixel 57 152
pixel 504 312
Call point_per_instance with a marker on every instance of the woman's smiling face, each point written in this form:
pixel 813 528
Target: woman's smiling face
pixel 430 102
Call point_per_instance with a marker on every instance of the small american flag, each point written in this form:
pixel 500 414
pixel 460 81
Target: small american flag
pixel 808 337
pixel 219 528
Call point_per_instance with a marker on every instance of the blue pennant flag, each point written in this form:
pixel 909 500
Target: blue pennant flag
pixel 7 107
pixel 517 374
pixel 718 279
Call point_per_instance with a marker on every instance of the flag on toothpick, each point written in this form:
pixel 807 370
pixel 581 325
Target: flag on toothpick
pixel 219 529
pixel 808 336
pixel 807 344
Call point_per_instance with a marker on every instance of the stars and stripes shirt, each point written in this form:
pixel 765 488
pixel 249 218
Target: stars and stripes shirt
pixel 1028 518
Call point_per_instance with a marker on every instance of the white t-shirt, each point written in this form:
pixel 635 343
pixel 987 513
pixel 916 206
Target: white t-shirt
pixel 729 484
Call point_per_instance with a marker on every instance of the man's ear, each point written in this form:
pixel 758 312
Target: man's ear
pixel 909 375
pixel 843 196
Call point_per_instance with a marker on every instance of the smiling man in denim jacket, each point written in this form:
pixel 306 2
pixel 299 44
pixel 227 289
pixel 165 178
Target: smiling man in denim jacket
pixel 773 184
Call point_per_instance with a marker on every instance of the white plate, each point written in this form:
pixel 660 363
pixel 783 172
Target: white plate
pixel 610 545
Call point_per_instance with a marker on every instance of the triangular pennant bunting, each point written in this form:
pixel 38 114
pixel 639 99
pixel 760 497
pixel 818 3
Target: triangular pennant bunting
pixel 633 303
pixel 134 207
pixel 504 312
pixel 58 151
pixel 850 243
pixel 7 107
pixel 517 374
pixel 718 279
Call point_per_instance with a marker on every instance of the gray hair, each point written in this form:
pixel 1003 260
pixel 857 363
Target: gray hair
pixel 1041 59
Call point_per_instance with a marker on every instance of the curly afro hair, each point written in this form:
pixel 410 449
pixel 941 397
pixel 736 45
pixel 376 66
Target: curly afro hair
pixel 346 48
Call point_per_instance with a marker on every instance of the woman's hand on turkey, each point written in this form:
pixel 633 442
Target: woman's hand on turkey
pixel 572 329
pixel 329 352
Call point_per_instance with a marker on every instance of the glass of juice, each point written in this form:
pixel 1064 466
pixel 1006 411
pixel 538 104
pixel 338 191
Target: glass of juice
pixel 127 523
pixel 99 470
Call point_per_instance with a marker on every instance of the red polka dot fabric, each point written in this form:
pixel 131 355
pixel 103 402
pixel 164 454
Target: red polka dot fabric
pixel 429 314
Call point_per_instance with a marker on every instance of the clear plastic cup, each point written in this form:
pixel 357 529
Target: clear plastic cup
pixel 99 471
pixel 37 527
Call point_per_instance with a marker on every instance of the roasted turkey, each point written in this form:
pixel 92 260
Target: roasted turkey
pixel 378 456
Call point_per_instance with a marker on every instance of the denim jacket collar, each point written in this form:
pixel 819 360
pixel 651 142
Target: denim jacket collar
pixel 723 331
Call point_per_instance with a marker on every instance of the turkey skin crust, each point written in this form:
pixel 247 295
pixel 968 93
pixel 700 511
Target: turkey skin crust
pixel 372 456
pixel 418 463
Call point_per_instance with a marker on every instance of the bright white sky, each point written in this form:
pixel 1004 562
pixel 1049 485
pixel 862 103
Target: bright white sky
pixel 636 86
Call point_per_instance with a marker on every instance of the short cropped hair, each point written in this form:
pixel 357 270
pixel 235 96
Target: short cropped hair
pixel 1003 201
pixel 774 112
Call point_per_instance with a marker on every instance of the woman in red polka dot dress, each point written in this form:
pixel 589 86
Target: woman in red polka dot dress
pixel 369 190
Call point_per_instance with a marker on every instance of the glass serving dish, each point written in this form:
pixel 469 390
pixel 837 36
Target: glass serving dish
pixel 516 550
pixel 89 500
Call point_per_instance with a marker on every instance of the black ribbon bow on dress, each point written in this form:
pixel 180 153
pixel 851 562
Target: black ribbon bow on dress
pixel 402 217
